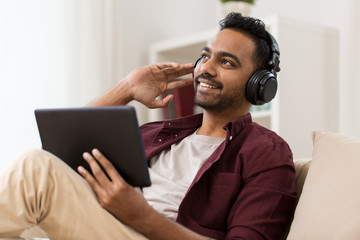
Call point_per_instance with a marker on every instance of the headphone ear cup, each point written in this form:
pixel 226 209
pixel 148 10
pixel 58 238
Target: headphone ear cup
pixel 261 87
pixel 195 64
pixel 251 88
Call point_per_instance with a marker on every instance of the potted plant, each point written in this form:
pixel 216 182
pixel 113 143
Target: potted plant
pixel 248 1
pixel 242 6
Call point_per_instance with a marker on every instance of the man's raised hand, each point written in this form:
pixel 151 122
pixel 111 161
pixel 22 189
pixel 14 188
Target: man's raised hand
pixel 146 84
pixel 149 82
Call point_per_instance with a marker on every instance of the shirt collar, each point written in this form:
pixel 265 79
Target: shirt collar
pixel 238 124
pixel 194 121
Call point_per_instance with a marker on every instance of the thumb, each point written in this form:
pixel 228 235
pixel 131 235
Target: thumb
pixel 161 103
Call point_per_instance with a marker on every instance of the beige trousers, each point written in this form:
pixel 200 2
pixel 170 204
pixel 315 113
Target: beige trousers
pixel 38 189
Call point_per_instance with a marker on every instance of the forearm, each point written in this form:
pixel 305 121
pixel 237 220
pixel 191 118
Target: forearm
pixel 158 227
pixel 118 95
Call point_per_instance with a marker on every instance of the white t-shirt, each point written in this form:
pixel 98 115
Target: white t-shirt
pixel 173 170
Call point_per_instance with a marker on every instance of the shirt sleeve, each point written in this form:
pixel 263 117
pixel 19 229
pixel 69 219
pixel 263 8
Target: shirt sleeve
pixel 266 202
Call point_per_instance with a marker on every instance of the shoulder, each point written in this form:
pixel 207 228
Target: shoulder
pixel 266 150
pixel 262 138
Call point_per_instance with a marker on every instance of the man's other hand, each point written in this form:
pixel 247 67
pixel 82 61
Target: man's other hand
pixel 113 193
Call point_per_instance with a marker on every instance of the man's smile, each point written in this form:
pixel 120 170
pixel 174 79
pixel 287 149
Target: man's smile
pixel 205 85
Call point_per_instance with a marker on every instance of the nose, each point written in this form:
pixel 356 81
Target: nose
pixel 208 67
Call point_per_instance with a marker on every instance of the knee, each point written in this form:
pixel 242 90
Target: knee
pixel 36 158
pixel 34 154
pixel 27 163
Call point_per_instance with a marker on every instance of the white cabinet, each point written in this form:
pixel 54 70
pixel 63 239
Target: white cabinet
pixel 308 93
pixel 308 96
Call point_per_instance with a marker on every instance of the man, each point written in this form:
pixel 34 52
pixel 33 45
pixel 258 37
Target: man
pixel 218 174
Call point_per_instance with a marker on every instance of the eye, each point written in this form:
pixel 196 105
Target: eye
pixel 227 62
pixel 204 56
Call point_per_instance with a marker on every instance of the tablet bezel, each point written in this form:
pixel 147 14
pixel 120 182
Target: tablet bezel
pixel 114 130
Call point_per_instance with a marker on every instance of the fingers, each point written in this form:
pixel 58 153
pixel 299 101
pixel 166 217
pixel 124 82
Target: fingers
pixel 99 176
pixel 179 83
pixel 160 103
pixel 107 165
pixel 173 73
pixel 167 65
pixel 91 180
pixel 174 70
pixel 147 83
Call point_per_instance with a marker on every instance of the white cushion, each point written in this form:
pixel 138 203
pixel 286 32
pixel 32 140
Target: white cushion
pixel 329 207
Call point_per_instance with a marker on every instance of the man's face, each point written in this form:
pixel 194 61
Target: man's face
pixel 222 73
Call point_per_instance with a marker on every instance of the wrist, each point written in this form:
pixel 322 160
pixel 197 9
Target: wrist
pixel 145 224
pixel 122 93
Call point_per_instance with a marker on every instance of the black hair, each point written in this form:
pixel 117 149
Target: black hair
pixel 255 29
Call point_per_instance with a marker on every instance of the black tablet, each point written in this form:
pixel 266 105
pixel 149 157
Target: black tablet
pixel 69 132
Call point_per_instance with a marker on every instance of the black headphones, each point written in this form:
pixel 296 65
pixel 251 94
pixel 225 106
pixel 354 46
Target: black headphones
pixel 262 85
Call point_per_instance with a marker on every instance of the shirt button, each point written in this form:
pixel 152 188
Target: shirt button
pixel 160 140
pixel 169 124
pixel 176 135
pixel 230 138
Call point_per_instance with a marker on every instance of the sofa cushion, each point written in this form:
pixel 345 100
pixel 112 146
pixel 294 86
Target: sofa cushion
pixel 329 206
pixel 301 167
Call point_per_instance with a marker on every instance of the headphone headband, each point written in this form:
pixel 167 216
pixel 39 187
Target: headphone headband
pixel 274 62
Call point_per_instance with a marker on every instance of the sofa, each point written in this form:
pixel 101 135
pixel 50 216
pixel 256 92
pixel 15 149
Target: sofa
pixel 328 186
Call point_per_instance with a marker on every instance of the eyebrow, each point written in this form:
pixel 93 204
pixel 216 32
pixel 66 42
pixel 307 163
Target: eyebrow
pixel 223 53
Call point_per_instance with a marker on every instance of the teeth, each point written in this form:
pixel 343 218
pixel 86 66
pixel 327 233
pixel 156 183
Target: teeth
pixel 206 85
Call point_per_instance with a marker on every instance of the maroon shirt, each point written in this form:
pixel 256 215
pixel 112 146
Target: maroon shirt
pixel 245 190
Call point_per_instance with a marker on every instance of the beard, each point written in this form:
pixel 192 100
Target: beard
pixel 217 103
pixel 220 102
